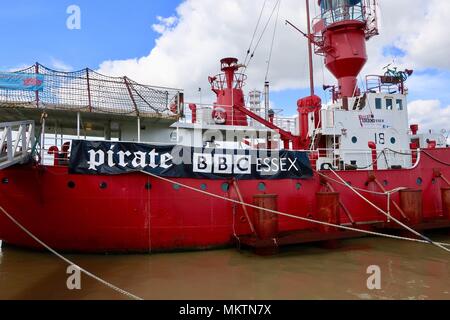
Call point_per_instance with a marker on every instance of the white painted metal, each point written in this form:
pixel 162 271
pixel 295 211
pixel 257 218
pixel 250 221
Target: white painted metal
pixel 16 142
pixel 379 117
pixel 139 129
pixel 78 124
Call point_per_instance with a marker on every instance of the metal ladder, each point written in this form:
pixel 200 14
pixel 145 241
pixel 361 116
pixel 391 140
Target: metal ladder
pixel 16 142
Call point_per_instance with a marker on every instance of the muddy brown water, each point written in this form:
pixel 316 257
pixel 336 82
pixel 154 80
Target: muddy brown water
pixel 408 271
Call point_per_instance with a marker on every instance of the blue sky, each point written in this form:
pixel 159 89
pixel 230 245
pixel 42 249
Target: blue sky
pixel 35 30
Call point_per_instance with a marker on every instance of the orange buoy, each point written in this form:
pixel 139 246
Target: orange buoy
pixel 328 210
pixel 411 203
pixel 446 202
pixel 266 223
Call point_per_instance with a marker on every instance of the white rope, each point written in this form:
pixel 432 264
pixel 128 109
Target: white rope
pixel 286 214
pixel 273 42
pixel 254 33
pixel 391 192
pixel 389 216
pixel 261 36
pixel 109 285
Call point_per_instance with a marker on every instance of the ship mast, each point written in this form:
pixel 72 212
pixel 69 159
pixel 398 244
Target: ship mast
pixel 310 51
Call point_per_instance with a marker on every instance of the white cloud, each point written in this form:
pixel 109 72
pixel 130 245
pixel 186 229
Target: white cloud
pixel 60 65
pixel 192 42
pixel 18 67
pixel 165 24
pixel 206 31
pixel 428 43
pixel 430 114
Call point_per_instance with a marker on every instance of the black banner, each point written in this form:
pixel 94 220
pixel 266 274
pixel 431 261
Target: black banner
pixel 112 158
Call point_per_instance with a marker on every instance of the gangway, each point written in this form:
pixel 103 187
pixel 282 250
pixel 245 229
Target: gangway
pixel 17 140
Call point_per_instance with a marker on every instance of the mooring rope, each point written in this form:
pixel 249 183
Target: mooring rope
pixel 388 215
pixel 391 192
pixel 372 233
pixel 436 159
pixel 31 235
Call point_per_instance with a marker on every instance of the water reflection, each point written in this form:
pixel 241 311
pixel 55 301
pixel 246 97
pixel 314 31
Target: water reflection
pixel 409 271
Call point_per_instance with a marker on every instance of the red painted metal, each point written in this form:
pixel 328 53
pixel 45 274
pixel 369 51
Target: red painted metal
pixel 307 105
pixel 284 134
pixel 373 146
pixel 343 43
pixel 341 204
pixel 328 210
pixel 127 216
pixel 55 152
pixel 414 129
pixel 193 108
pixel 432 144
pixel 347 54
pixel 414 155
pixel 266 223
pixel 412 205
pixel 136 213
pixel 229 92
pixel 445 192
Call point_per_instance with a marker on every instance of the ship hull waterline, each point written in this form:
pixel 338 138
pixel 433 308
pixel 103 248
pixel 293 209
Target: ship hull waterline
pixel 138 213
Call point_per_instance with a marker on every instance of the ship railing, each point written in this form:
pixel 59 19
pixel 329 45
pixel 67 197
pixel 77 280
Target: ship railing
pixel 89 91
pixel 287 123
pixel 203 115
pixel 379 84
pixel 17 140
pixel 342 11
pixel 219 81
pixel 197 113
pixel 55 158
pixel 336 11
pixel 352 159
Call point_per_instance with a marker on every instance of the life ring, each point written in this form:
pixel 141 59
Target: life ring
pixel 174 108
pixel 219 115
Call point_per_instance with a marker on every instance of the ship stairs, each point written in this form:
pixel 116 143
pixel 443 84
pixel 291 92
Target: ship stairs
pixel 17 143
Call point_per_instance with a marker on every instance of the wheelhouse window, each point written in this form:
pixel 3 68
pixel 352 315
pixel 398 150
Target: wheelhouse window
pixel 399 103
pixel 389 104
pixel 378 103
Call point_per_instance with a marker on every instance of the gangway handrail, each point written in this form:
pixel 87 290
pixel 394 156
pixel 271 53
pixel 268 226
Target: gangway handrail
pixel 16 142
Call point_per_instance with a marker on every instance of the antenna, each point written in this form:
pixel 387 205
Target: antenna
pixel 310 50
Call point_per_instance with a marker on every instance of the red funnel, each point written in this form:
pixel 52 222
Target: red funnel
pixel 346 54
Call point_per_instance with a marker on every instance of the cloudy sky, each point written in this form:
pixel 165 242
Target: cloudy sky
pixel 178 43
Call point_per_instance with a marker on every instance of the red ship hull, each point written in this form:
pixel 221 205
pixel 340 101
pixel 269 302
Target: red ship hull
pixel 138 213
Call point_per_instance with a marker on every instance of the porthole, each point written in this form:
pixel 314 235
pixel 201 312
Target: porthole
pixel 103 185
pixel 434 181
pixel 262 186
pixel 148 186
pixel 225 187
pixel 419 181
pixel 203 186
pixel 393 140
pixel 298 186
pixel 385 183
pixel 5 180
pixel 71 185
pixel 176 187
pixel 354 139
